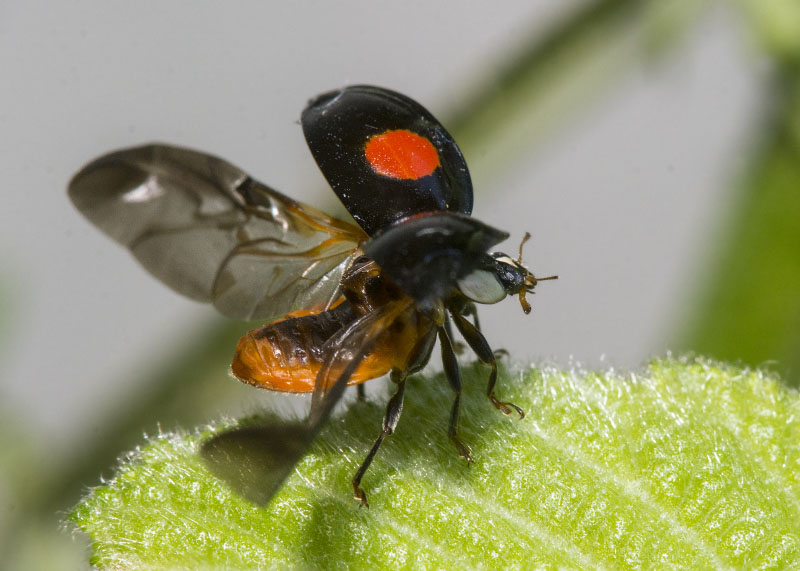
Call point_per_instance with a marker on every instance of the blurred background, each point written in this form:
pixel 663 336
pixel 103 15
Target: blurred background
pixel 651 148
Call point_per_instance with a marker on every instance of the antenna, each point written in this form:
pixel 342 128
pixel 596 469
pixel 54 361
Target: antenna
pixel 525 238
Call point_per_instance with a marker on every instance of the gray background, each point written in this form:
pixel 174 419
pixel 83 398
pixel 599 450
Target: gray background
pixel 622 198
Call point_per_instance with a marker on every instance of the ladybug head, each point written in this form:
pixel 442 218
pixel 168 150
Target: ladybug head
pixel 516 278
pixel 501 275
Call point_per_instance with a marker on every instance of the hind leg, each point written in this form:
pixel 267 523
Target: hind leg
pixel 390 420
pixel 394 408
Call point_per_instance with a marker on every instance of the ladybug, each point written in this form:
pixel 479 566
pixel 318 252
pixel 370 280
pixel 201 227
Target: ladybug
pixel 344 303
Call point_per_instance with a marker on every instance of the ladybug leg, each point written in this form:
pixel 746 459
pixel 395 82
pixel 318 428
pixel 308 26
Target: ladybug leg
pixel 498 353
pixel 458 346
pixel 471 310
pixel 361 394
pixel 477 343
pixel 450 364
pixel 390 420
pixel 422 352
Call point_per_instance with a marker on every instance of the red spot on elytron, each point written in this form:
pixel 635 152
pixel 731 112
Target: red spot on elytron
pixel 401 154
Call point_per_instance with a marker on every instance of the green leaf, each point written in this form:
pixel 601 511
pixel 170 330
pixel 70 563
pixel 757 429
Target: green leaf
pixel 687 464
pixel 557 72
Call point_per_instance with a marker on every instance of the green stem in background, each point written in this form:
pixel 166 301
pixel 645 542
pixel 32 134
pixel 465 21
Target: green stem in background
pixel 750 310
pixel 684 465
pixel 557 71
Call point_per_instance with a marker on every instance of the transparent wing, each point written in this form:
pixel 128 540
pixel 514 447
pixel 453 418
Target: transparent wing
pixel 345 352
pixel 211 232
pixel 255 460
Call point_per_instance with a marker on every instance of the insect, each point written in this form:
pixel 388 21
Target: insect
pixel 346 303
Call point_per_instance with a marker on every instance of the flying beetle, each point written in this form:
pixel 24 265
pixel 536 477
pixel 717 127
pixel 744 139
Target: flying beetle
pixel 345 303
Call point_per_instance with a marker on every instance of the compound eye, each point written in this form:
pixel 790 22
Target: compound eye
pixel 510 274
pixel 482 286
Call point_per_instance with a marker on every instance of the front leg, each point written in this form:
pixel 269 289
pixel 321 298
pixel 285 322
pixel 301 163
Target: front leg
pixel 478 343
pixel 468 309
pixel 471 310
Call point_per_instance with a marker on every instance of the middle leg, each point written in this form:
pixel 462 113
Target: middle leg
pixel 450 364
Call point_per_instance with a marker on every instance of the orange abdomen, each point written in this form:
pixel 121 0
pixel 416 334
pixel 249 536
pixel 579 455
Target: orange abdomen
pixel 286 355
